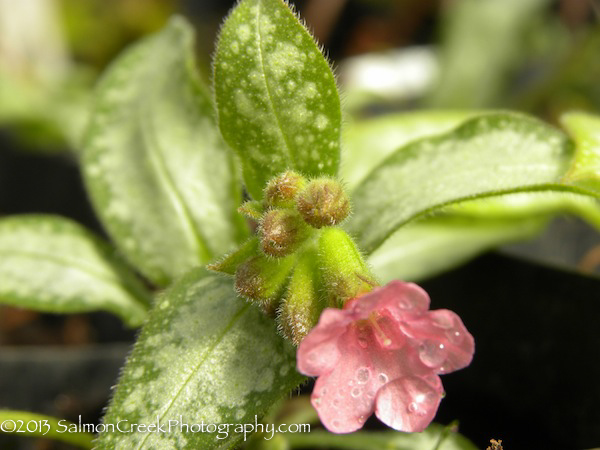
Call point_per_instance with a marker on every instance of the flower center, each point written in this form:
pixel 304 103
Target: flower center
pixel 383 338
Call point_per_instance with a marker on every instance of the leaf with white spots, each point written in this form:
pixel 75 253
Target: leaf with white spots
pixel 159 174
pixel 490 155
pixel 52 264
pixel 204 356
pixel 277 99
pixel 365 144
pixel 429 246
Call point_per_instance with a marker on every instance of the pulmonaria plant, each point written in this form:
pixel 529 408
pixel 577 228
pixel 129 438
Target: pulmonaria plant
pixel 331 216
pixel 374 350
pixel 383 353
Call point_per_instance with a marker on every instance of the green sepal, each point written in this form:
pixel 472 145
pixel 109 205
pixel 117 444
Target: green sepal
pixel 262 280
pixel 302 305
pixel 230 262
pixel 345 274
pixel 252 209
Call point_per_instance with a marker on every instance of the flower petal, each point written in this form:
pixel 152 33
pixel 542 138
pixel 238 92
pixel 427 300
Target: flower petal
pixel 318 352
pixel 397 297
pixel 445 344
pixel 344 398
pixel 408 403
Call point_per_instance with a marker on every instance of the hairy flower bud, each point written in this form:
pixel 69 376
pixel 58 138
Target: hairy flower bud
pixel 345 274
pixel 323 203
pixel 302 305
pixel 281 191
pixel 281 232
pixel 263 280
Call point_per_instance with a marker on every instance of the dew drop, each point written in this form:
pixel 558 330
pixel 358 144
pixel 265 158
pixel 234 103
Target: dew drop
pixel 454 336
pixel 412 407
pixel 317 401
pixel 362 375
pixel 362 341
pixel 335 423
pixel 324 391
pixel 350 383
pixel 432 353
pixel 356 392
pixel 382 378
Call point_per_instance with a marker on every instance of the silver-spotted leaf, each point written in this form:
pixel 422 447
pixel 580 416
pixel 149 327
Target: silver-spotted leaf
pixel 367 143
pixel 486 156
pixel 276 96
pixel 204 356
pixel 159 174
pixel 52 264
pixel 426 247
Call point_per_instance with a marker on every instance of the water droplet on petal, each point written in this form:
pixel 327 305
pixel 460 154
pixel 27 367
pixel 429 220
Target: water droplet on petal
pixel 454 336
pixel 356 392
pixel 362 341
pixel 432 353
pixel 412 407
pixel 382 378
pixel 324 391
pixel 362 375
pixel 350 383
pixel 317 401
pixel 335 423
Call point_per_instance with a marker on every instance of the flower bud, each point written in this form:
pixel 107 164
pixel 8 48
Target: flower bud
pixel 301 306
pixel 281 191
pixel 263 280
pixel 345 274
pixel 281 232
pixel 323 203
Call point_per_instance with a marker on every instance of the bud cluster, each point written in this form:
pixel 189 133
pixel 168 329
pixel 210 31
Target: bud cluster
pixel 299 262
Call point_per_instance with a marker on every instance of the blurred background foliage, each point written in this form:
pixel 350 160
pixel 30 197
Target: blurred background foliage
pixel 538 56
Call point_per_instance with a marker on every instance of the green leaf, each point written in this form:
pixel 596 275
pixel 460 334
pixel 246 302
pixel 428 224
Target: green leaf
pixel 475 73
pixel 367 143
pixel 43 426
pixel 585 130
pixel 204 356
pixel 486 156
pixel 276 95
pixel 54 265
pixel 429 246
pixel 159 175
pixel 435 437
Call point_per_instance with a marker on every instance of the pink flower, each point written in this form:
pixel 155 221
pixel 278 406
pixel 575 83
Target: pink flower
pixel 383 353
